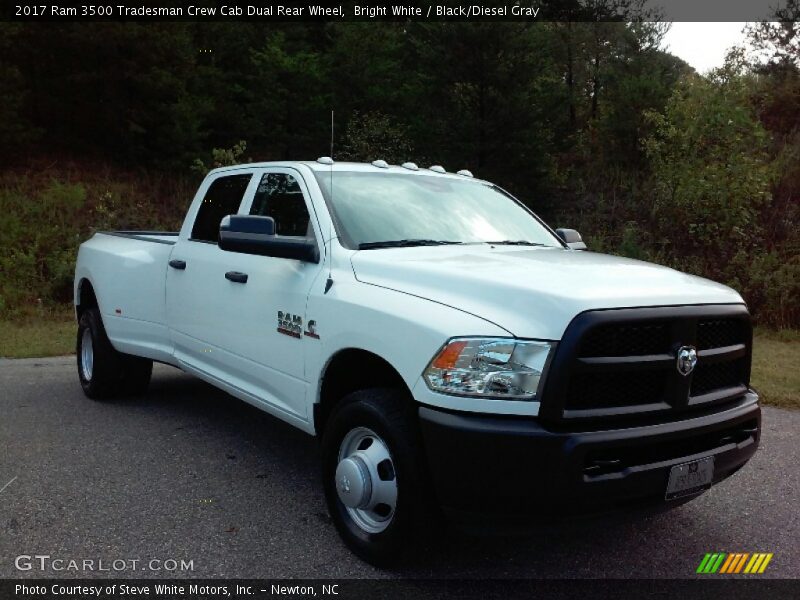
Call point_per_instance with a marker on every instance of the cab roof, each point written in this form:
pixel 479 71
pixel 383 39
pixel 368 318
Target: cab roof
pixel 317 166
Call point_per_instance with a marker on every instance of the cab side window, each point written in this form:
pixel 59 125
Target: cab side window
pixel 222 198
pixel 279 196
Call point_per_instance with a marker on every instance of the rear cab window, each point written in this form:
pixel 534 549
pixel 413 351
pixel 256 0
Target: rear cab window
pixel 222 198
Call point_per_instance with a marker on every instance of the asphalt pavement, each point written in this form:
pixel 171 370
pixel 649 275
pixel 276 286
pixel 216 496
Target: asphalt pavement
pixel 189 474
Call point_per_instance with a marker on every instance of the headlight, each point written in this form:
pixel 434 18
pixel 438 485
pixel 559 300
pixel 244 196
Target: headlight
pixel 489 368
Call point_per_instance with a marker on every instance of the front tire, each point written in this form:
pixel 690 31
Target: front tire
pixel 372 474
pixel 103 371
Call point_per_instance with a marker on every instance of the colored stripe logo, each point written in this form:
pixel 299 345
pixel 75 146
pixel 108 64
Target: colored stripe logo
pixel 734 563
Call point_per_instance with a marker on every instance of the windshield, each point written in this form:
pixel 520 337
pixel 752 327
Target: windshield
pixel 374 210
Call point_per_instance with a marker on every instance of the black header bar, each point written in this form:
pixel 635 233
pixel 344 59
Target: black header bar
pixel 267 11
pixel 416 589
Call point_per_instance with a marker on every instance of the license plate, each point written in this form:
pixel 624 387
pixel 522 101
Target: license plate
pixel 690 478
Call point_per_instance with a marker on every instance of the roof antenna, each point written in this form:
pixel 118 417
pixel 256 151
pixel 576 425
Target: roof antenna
pixel 329 283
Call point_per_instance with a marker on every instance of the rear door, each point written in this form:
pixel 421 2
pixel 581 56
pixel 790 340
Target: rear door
pixel 260 326
pixel 197 312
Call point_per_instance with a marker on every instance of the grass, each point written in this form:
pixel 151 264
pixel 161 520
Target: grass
pixel 776 354
pixel 34 337
pixel 776 367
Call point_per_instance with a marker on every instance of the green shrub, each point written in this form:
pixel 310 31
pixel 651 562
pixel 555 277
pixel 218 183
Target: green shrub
pixel 712 196
pixel 373 136
pixel 771 285
pixel 221 157
pixel 47 216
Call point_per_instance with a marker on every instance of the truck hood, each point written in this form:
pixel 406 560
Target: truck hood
pixel 531 292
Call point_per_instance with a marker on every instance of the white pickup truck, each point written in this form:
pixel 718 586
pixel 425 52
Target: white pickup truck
pixel 460 360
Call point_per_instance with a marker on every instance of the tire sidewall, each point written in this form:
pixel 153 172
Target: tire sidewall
pixel 360 410
pixel 83 324
pixel 104 359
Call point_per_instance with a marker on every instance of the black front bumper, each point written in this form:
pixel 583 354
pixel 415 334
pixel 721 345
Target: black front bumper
pixel 495 470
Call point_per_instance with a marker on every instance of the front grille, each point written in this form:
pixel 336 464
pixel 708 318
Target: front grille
pixel 624 362
pixel 717 333
pixel 606 390
pixel 623 340
pixel 708 378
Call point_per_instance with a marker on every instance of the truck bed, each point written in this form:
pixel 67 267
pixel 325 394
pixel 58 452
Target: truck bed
pixel 128 270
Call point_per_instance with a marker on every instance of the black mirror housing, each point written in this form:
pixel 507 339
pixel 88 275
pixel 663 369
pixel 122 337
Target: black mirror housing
pixel 252 234
pixel 571 238
pixel 248 224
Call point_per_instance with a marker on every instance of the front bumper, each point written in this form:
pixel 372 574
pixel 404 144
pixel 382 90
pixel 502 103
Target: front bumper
pixel 494 470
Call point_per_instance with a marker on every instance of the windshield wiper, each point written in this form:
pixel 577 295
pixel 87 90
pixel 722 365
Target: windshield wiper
pixel 515 243
pixel 403 243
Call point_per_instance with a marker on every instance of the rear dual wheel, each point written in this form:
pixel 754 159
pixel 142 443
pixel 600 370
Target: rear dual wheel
pixel 103 371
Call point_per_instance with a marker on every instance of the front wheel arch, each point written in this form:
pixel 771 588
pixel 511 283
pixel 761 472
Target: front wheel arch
pixel 351 370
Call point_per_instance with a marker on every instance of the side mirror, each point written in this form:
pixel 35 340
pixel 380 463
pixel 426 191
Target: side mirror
pixel 571 238
pixel 251 234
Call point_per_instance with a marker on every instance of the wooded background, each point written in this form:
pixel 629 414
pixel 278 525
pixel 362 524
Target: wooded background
pixel 112 125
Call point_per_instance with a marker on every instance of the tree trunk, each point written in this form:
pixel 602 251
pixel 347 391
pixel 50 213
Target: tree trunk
pixel 570 77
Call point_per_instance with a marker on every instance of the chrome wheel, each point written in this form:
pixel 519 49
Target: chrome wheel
pixel 87 355
pixel 366 482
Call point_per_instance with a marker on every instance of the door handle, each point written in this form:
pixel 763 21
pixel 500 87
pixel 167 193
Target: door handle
pixel 236 277
pixel 177 264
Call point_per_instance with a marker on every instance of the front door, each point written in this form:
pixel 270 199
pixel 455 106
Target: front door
pixel 243 316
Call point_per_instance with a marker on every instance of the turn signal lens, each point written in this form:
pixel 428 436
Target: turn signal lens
pixel 448 356
pixel 489 368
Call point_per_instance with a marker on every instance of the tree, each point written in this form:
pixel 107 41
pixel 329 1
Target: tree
pixel 778 41
pixel 370 68
pixel 375 136
pixel 15 130
pixel 488 95
pixel 711 172
pixel 294 100
pixel 113 89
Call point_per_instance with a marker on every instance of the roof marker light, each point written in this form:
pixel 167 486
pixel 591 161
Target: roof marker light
pixel 325 160
pixel 464 173
pixel 437 169
pixel 381 164
pixel 410 166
